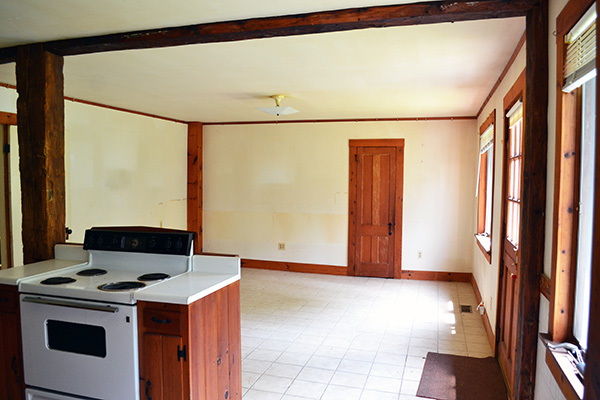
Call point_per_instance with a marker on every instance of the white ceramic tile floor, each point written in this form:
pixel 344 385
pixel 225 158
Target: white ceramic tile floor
pixel 307 336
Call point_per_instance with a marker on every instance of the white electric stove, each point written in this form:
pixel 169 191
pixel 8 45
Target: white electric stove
pixel 79 324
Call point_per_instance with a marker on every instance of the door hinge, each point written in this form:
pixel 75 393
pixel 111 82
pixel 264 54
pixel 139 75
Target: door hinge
pixel 181 353
pixel 6 148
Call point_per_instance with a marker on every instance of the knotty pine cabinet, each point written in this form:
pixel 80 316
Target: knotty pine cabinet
pixel 191 352
pixel 12 386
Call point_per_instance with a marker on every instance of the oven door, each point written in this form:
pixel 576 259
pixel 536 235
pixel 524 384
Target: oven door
pixel 80 347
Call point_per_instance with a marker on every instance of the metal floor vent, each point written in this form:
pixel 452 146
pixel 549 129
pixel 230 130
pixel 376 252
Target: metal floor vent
pixel 466 309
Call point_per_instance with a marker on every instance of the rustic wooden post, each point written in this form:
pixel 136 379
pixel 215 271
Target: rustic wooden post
pixel 535 144
pixel 194 185
pixel 41 127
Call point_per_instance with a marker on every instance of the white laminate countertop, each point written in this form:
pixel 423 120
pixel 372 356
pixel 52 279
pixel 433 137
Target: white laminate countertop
pixel 186 288
pixel 15 275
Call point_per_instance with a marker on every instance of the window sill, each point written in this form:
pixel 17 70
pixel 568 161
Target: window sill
pixel 559 363
pixel 485 245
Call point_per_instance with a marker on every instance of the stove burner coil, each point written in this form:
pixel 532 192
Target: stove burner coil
pixel 92 272
pixel 58 280
pixel 121 286
pixel 157 276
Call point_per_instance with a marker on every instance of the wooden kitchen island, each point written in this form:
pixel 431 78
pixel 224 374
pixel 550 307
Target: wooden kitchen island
pixel 191 351
pixel 188 329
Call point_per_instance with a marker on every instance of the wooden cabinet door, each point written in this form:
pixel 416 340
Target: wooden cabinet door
pixel 163 367
pixel 376 190
pixel 11 359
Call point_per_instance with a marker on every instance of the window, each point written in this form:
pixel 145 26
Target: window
pixel 574 175
pixel 485 185
pixel 586 203
pixel 515 158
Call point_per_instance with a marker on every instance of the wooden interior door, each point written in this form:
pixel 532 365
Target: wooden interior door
pixel 375 222
pixel 509 278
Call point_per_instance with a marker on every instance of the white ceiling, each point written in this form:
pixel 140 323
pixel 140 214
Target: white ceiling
pixel 417 71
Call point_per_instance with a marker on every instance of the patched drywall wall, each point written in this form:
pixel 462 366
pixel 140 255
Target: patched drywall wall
pixel 288 183
pixel 123 169
pixel 120 169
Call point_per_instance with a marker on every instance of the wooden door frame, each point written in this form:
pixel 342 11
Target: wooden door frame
pixel 516 92
pixel 352 200
pixel 6 120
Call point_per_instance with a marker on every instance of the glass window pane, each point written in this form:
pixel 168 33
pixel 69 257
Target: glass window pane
pixel 586 204
pixel 489 191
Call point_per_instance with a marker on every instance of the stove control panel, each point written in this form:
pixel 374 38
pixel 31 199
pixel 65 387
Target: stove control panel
pixel 154 242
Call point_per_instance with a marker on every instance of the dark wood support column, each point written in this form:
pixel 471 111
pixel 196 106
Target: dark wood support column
pixel 533 216
pixel 194 185
pixel 40 110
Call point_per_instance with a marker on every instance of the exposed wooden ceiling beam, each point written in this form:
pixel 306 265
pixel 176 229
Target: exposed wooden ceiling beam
pixel 291 25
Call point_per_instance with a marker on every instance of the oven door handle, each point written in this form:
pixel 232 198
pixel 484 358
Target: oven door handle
pixel 71 304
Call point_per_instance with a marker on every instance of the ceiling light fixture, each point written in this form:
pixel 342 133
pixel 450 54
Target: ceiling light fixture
pixel 278 110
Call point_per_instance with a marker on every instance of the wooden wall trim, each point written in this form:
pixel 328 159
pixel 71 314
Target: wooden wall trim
pixel 485 317
pixel 294 267
pixel 7 118
pixel 533 212
pixel 92 103
pixel 419 13
pixel 509 64
pixel 440 276
pixel 194 182
pixel 322 121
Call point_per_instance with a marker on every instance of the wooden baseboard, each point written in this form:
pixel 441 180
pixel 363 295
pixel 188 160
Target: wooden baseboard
pixel 295 267
pixel 436 276
pixel 485 316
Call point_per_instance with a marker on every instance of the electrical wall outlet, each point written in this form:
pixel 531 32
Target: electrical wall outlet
pixel 281 246
pixel 419 254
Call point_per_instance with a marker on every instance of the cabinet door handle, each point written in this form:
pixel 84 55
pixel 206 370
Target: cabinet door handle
pixel 148 384
pixel 390 225
pixel 161 321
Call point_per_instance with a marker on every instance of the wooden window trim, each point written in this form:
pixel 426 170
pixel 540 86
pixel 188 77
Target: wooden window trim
pixel 566 196
pixel 482 195
pixel 565 186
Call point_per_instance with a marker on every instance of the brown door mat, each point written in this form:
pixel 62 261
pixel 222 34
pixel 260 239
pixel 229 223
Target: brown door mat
pixel 450 377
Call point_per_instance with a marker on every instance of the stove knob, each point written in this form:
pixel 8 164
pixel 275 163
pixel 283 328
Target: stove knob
pixel 168 244
pixel 100 241
pixel 151 243
pixel 178 245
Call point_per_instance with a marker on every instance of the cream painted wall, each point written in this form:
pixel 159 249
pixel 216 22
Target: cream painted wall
pixel 120 169
pixel 265 184
pixel 123 169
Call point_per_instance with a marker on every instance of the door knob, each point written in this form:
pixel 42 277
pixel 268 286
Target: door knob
pixel 513 276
